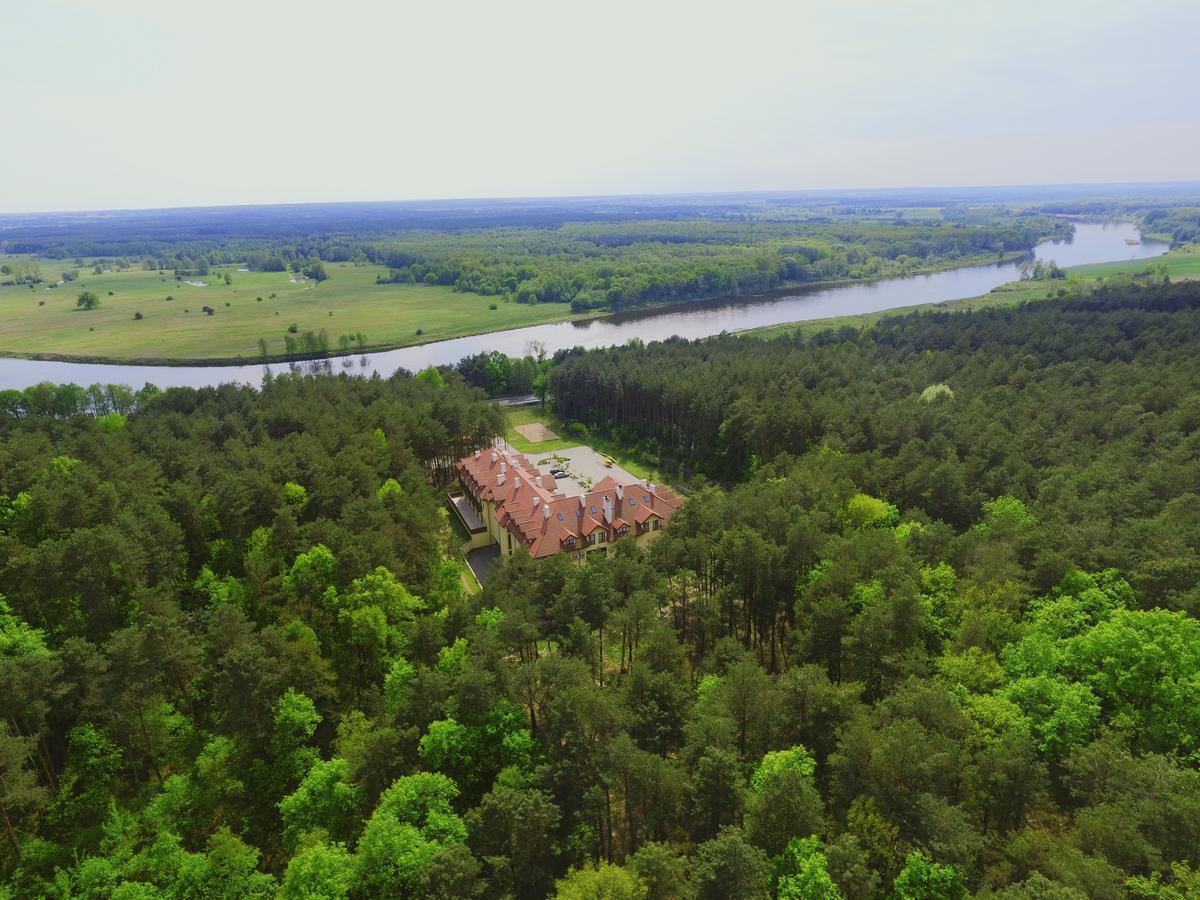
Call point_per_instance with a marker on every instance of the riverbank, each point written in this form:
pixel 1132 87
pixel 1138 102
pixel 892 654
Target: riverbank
pixel 1181 263
pixel 698 319
pixel 349 302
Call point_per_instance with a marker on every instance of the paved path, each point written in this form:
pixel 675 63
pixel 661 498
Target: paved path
pixel 481 561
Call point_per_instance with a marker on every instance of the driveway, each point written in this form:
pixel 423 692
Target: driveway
pixel 481 561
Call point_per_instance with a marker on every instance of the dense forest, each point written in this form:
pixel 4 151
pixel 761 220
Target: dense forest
pixel 1181 223
pixel 929 632
pixel 611 266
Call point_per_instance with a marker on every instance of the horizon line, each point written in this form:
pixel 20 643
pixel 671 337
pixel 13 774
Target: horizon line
pixel 1189 182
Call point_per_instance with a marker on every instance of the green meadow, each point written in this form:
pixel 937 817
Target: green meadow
pixel 44 321
pixel 1181 263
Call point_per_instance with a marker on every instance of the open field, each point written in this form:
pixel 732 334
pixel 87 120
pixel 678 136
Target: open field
pixel 536 432
pixel 1181 264
pixel 45 321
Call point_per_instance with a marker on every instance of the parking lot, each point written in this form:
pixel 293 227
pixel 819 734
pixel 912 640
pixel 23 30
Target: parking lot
pixel 585 468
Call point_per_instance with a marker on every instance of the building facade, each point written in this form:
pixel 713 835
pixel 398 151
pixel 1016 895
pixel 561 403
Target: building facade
pixel 515 505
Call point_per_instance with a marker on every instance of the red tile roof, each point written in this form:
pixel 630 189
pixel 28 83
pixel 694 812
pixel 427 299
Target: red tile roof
pixel 543 519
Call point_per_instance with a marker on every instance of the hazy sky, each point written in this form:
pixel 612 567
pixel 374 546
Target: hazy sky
pixel 138 103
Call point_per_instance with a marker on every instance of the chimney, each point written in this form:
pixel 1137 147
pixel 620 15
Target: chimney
pixel 500 479
pixel 477 453
pixel 516 482
pixel 608 509
pixel 582 501
pixel 493 456
pixel 620 492
pixel 651 486
pixel 546 511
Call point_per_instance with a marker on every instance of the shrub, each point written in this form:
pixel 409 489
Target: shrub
pixel 493 306
pixel 293 328
pixel 138 316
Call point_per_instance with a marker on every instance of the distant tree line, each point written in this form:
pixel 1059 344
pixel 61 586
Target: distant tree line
pixel 612 265
pixel 616 265
pixel 1181 223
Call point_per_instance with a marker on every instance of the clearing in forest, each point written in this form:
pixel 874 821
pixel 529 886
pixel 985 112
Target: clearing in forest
pixel 536 432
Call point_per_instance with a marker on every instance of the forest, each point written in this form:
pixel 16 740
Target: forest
pixel 925 627
pixel 616 265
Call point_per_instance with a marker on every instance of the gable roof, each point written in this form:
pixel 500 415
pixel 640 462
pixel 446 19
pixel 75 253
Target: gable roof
pixel 542 519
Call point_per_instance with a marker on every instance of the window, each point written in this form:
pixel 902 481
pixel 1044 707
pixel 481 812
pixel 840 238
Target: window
pixel 603 536
pixel 592 538
pixel 570 542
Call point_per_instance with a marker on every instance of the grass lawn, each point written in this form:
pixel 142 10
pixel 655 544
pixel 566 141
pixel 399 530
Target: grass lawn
pixel 348 302
pixel 627 459
pixel 1182 263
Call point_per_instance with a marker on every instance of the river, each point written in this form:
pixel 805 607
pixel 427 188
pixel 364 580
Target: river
pixel 1091 243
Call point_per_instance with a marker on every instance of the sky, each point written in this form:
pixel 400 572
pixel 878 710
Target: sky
pixel 146 103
